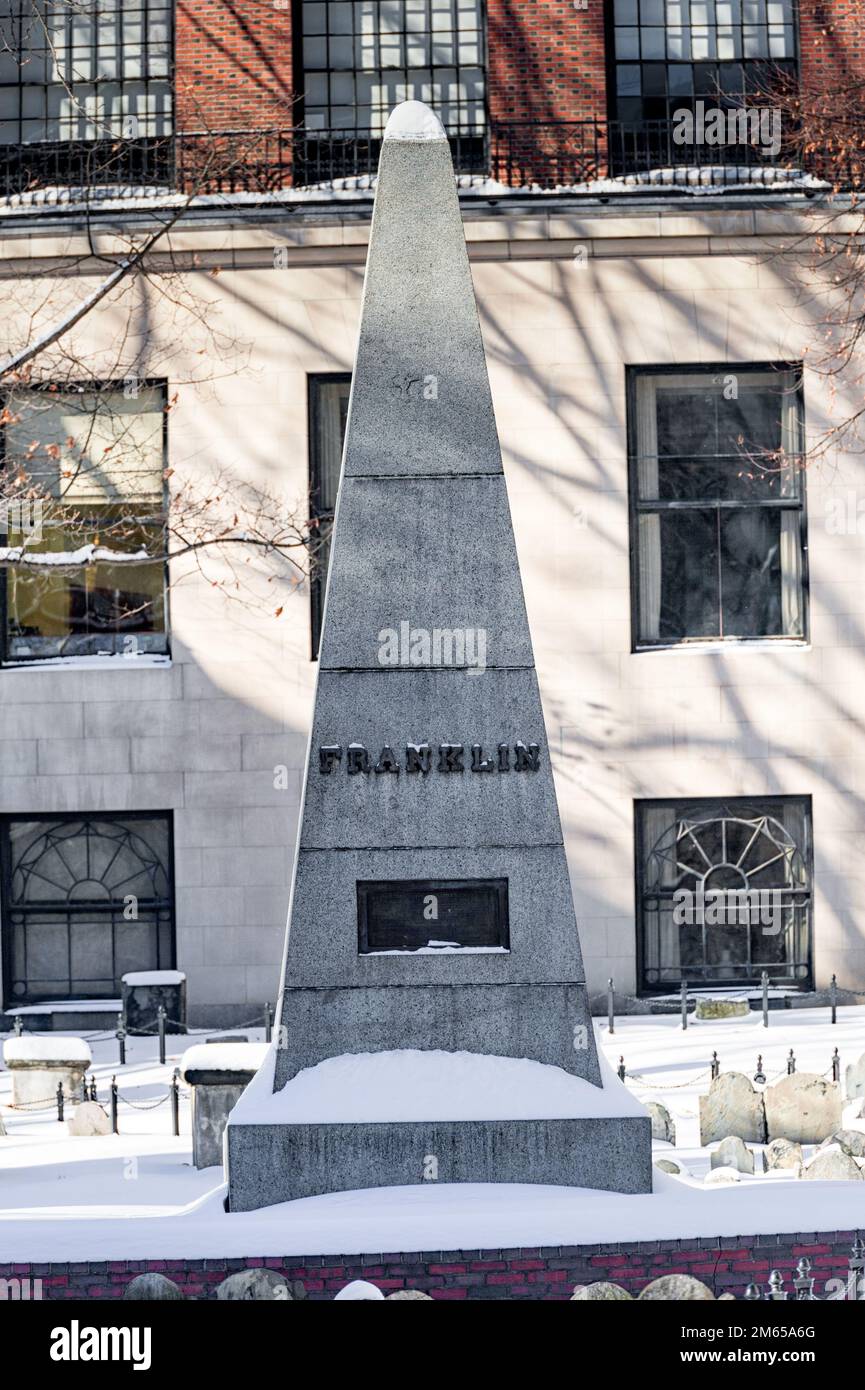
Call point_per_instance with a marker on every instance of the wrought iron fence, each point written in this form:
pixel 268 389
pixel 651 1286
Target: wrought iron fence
pixel 541 154
pixel 850 1288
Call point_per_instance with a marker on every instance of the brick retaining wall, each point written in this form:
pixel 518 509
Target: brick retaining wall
pixel 726 1264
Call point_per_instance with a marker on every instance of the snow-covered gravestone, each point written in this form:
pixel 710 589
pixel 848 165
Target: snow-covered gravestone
pixel 40 1065
pixel 433 1021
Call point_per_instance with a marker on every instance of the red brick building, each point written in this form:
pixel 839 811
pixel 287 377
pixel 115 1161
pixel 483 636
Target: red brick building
pixel 532 91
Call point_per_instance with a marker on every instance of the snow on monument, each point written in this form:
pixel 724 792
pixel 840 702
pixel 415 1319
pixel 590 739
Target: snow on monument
pixel 433 1022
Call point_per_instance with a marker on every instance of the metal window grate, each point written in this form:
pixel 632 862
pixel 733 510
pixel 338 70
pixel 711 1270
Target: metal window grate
pixel 359 59
pixel 669 53
pixel 85 69
pixel 723 848
pixel 86 899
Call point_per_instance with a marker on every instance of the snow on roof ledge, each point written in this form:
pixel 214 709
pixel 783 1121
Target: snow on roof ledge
pixel 413 120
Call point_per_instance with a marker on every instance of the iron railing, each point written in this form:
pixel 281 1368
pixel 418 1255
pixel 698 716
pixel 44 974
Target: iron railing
pixel 533 154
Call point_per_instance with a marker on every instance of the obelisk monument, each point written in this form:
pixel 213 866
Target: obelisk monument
pixel 431 909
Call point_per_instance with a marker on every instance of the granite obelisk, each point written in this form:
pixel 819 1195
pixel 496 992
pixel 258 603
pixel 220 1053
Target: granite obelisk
pixel 431 908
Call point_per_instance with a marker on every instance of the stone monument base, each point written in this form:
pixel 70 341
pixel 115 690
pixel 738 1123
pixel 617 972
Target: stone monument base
pixel 272 1163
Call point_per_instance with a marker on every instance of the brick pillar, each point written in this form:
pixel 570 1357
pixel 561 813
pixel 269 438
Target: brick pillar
pixel 831 43
pixel 233 64
pixel 233 72
pixel 546 64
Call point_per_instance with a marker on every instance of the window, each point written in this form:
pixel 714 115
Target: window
pixel 360 59
pixel 328 411
pixel 84 69
pixel 669 53
pixel 85 899
pixel 724 892
pixel 717 505
pixel 97 458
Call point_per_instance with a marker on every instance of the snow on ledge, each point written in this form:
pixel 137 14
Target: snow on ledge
pixel 223 1057
pixel 54 1049
pixel 413 120
pixel 154 977
pixel 407 1085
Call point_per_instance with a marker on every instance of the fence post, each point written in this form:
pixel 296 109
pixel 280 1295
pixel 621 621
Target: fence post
pixel 684 1003
pixel 268 1022
pixel 856 1275
pixel 716 1067
pixel 59 1100
pixel 753 1294
pixel 611 1008
pixel 836 1066
pixel 776 1286
pixel 93 1093
pixel 620 1069
pixel 18 1026
pixel 160 1023
pixel 764 981
pixel 83 1089
pixel 833 997
pixel 175 1104
pixel 791 1063
pixel 120 1035
pixel 112 1097
pixel 803 1282
pixel 759 1074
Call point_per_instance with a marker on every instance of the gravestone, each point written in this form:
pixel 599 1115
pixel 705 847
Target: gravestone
pixel 804 1107
pixel 217 1072
pixel 732 1106
pixel 431 908
pixel 833 1164
pixel 854 1078
pixel 782 1153
pixel 733 1153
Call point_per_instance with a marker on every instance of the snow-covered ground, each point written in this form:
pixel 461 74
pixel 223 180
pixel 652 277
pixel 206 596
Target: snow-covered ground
pixel 136 1195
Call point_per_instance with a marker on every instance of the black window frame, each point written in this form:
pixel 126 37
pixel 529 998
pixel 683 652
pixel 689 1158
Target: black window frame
pixel 320 516
pixel 7 909
pixel 632 374
pixel 95 82
pixel 84 388
pixel 328 152
pixel 644 990
pixel 683 100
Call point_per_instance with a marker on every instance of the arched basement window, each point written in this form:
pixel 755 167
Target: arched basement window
pixel 724 892
pixel 87 899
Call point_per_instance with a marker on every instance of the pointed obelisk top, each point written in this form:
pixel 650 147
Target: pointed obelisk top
pixel 420 400
pixel 413 120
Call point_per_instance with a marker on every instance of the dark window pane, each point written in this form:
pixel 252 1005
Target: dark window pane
pixel 628 80
pixel 751 572
pixel 689 575
pixel 654 79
